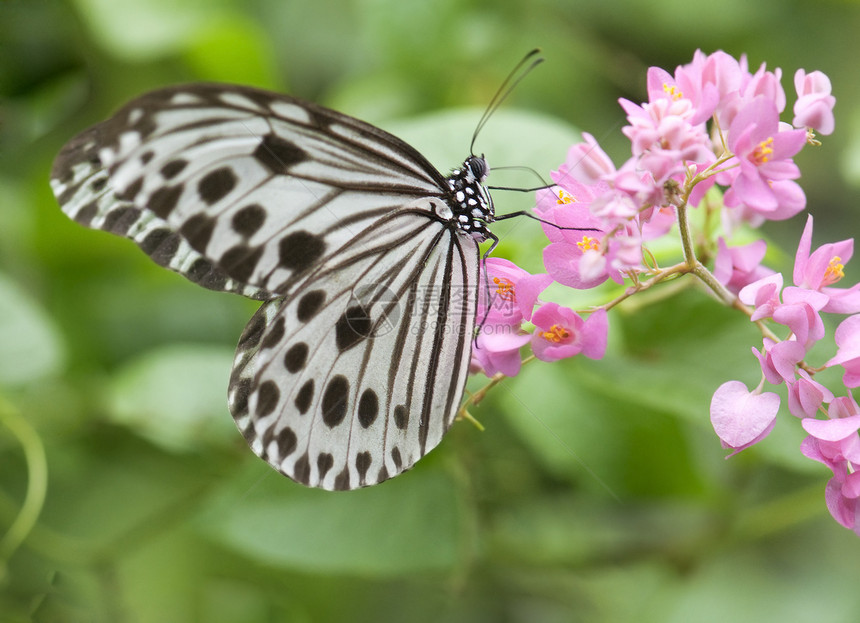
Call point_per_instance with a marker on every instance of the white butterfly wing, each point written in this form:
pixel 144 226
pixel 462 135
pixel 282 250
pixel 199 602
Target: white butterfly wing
pixel 86 193
pixel 355 367
pixel 260 184
pixel 359 373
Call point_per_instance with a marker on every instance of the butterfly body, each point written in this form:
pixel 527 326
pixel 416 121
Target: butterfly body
pixel 366 258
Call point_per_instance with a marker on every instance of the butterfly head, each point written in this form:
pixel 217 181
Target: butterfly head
pixel 470 201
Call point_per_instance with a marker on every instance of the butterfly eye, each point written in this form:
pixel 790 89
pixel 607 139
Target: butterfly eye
pixel 478 167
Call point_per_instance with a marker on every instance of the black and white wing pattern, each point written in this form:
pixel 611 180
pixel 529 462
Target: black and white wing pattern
pixel 366 258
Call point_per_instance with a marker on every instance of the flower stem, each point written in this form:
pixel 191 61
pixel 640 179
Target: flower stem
pixel 693 264
pixel 37 467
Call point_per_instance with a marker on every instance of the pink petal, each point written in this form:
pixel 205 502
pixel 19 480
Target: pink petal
pixel 741 418
pixel 832 430
pixel 802 254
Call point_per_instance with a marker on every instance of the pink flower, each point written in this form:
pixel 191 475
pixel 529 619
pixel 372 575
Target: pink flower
pixel 805 396
pixel 767 84
pixel 841 498
pixel 663 138
pixel 737 267
pixel 823 268
pixel 586 163
pixel 687 84
pixel 835 443
pixel 560 332
pixel 799 312
pixel 763 295
pixel 578 258
pixel 742 418
pixel 814 105
pixel 764 154
pixel 848 350
pixel 513 292
pixel 835 440
pixel 779 360
pixel 568 211
pixel 497 349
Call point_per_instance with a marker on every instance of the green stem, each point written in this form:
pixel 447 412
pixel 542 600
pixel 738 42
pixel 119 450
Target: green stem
pixel 693 264
pixel 37 483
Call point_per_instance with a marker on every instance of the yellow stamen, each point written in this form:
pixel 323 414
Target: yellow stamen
pixel 589 244
pixel 505 289
pixel 762 153
pixel 555 334
pixel 834 271
pixel 564 197
pixel 673 92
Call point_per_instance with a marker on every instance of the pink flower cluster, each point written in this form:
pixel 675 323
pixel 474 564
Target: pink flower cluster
pixel 712 125
pixel 559 331
pixel 742 418
pixel 712 122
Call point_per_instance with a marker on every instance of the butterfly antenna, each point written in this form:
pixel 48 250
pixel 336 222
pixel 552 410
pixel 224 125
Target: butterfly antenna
pixel 519 72
pixel 544 184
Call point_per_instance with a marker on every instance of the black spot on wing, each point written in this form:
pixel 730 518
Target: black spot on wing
pixel 325 462
pixel 277 154
pixel 198 231
pixel 131 192
pixel 341 482
pixel 287 441
pixel 240 261
pixel 164 200
pixel 362 464
pixel 247 221
pixel 239 403
pixel 203 273
pixel 173 168
pixel 267 398
pixel 296 357
pixel 302 470
pixel 275 334
pixel 86 214
pixel 120 220
pixel 161 245
pixel 383 474
pixel 310 304
pixel 299 250
pixel 352 327
pixel 217 184
pixel 253 332
pixel 401 417
pixel 368 408
pixel 305 397
pixel 334 400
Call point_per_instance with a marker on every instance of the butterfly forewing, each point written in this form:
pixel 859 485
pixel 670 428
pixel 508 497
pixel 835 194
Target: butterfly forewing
pixel 87 194
pixel 258 183
pixel 355 366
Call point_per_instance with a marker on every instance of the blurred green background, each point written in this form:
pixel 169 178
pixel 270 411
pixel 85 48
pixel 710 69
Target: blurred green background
pixel 598 491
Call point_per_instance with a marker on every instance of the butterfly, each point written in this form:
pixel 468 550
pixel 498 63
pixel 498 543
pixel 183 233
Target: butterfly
pixel 365 256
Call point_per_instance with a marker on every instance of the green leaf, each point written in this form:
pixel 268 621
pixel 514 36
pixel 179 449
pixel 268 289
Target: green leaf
pixel 138 30
pixel 176 396
pixel 233 50
pixel 412 523
pixel 30 343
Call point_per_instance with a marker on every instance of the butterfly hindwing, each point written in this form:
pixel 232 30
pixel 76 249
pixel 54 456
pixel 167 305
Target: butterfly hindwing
pixel 360 372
